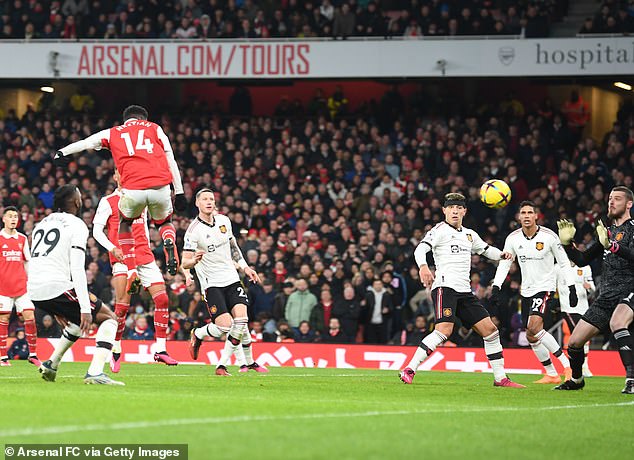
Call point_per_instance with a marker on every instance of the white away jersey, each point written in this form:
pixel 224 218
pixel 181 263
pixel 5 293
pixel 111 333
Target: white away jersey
pixel 49 268
pixel 216 268
pixel 452 250
pixel 536 258
pixel 581 275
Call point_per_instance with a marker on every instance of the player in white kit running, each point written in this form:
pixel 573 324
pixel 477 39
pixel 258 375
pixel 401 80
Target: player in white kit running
pixel 211 249
pixel 536 249
pixel 57 284
pixel 452 246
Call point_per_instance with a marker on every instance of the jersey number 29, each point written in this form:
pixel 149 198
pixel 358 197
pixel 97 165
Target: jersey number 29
pixel 50 238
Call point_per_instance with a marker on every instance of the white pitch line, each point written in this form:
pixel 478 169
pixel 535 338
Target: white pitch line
pixel 264 418
pixel 123 375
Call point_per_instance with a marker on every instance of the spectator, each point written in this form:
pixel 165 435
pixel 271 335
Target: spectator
pixel 577 113
pixel 321 313
pixel 19 349
pixel 141 330
pixel 344 23
pixel 337 103
pixel 348 311
pixel 378 309
pixel 263 298
pixel 284 332
pixel 588 27
pixel 186 29
pixel 48 328
pixel 413 334
pixel 299 304
pixel 334 333
pixel 304 333
pixel 281 298
pixel 205 29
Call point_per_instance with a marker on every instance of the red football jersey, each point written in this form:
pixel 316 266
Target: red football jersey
pixel 139 231
pixel 139 155
pixel 15 251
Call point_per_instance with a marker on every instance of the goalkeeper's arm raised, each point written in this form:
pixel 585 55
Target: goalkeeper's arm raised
pixel 567 230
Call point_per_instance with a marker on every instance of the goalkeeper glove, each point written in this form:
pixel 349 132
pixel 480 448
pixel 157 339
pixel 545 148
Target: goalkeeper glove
pixel 567 231
pixel 603 235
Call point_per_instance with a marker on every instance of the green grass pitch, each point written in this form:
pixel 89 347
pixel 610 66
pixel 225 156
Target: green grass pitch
pixel 295 413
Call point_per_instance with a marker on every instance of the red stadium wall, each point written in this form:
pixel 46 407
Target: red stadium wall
pixel 518 361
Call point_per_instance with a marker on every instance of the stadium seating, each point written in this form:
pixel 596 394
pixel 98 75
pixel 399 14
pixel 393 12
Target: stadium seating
pixel 144 19
pixel 335 200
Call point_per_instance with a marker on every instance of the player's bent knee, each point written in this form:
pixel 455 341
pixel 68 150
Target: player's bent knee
pixel 619 323
pixel 72 332
pixel 445 328
pixel 159 222
pixel 239 310
pixel 224 321
pixel 105 314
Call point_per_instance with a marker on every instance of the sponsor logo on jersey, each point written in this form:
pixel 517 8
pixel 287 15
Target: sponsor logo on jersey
pixel 446 311
pixel 619 236
pixel 4 246
pixel 455 249
pixel 470 238
pixel 539 245
pixel 223 229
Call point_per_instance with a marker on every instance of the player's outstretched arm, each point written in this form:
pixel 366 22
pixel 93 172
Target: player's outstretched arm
pixel 567 230
pixel 171 161
pixel 93 142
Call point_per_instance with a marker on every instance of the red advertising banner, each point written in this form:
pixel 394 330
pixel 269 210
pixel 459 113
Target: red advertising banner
pixel 518 361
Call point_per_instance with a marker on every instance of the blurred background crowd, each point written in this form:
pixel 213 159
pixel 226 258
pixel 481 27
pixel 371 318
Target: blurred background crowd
pixel 252 19
pixel 329 201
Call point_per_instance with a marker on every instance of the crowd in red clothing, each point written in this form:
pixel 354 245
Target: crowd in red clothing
pixel 336 202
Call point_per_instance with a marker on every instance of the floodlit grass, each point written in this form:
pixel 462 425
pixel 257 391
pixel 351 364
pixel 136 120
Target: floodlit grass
pixel 318 413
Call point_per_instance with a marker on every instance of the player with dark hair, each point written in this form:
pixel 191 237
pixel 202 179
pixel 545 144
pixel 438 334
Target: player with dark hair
pixel 536 248
pixel 212 249
pixel 144 157
pixel 14 261
pixel 615 304
pixel 452 246
pixel 57 284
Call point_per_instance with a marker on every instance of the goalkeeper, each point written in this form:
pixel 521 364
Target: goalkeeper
pixel 615 304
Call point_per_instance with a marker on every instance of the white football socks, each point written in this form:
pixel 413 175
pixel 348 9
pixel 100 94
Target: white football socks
pixel 104 339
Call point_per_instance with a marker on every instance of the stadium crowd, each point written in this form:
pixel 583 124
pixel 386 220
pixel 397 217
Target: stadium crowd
pixel 218 19
pixel 613 17
pixel 330 202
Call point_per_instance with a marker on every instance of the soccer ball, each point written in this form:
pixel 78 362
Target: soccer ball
pixel 495 193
